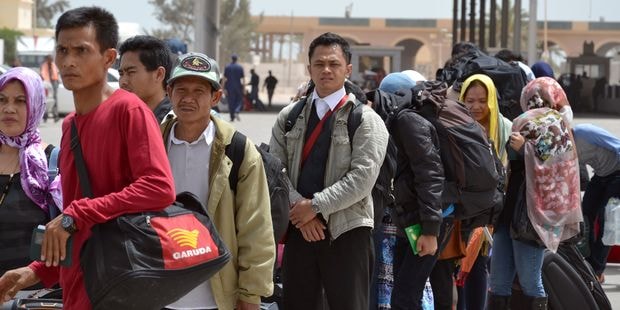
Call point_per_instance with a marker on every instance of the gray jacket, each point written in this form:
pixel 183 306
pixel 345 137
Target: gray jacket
pixel 351 168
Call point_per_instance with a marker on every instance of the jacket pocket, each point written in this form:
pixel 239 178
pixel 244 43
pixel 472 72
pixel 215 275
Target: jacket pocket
pixel 342 149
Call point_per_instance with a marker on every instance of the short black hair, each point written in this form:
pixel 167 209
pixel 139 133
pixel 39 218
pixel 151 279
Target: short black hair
pixel 464 47
pixel 106 27
pixel 507 56
pixel 330 38
pixel 153 53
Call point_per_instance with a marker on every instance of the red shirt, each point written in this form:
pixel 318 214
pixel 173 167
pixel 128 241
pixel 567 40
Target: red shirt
pixel 129 172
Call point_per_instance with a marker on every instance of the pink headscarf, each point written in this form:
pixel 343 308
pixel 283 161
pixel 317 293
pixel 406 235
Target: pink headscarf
pixel 32 159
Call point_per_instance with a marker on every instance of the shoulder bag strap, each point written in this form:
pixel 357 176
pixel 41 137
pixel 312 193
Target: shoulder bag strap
pixel 80 165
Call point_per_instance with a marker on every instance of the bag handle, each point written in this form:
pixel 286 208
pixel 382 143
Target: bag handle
pixel 80 165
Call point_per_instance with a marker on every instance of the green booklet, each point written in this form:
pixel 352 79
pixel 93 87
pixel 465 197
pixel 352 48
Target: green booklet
pixel 413 233
pixel 37 240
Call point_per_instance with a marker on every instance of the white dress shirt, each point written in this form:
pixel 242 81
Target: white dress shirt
pixel 328 103
pixel 189 162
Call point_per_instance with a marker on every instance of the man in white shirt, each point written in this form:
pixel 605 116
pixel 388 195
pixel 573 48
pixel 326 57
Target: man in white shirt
pixel 196 144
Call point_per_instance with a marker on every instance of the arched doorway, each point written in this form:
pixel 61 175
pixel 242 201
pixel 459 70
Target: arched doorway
pixel 409 53
pixel 611 50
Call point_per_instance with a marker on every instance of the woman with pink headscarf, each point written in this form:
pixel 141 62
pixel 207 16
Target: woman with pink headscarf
pixel 543 185
pixel 25 191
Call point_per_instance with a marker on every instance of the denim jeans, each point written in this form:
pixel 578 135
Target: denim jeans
pixel 411 271
pixel 512 257
pixel 598 192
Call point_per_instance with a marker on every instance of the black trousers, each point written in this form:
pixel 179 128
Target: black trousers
pixel 338 270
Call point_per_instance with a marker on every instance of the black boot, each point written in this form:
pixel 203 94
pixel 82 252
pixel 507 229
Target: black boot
pixel 497 302
pixel 538 303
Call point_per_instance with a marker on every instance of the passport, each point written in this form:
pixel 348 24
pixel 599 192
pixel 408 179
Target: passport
pixel 413 233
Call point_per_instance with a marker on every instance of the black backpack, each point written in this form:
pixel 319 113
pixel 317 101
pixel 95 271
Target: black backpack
pixel 474 174
pixel 383 190
pixel 508 78
pixel 277 181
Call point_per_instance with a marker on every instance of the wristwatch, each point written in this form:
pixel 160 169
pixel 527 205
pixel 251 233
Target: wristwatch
pixel 68 224
pixel 315 207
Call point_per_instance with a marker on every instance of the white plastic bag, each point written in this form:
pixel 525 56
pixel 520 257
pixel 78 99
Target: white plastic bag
pixel 611 234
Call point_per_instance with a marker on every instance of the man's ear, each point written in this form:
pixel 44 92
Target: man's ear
pixel 349 70
pixel 109 56
pixel 160 74
pixel 217 95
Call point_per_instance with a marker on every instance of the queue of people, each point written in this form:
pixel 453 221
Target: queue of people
pixel 157 136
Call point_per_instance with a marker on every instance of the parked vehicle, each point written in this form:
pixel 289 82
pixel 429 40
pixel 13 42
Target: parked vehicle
pixel 65 96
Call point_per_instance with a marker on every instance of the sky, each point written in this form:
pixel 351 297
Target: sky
pixel 141 11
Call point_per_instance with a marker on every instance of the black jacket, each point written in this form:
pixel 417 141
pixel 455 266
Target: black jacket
pixel 420 177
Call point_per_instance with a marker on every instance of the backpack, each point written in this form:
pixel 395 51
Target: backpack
pixel 473 172
pixel 277 181
pixel 52 171
pixel 508 78
pixel 383 190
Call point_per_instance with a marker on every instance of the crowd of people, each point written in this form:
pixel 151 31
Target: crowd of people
pixel 158 136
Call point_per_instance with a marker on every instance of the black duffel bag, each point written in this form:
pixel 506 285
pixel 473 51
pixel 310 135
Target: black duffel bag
pixel 148 260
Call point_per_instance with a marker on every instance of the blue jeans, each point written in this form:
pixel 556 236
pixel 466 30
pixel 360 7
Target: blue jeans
pixel 411 271
pixel 512 257
pixel 598 192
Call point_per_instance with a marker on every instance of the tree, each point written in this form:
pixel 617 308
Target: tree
pixel 46 10
pixel 236 28
pixel 10 42
pixel 179 15
pixel 236 25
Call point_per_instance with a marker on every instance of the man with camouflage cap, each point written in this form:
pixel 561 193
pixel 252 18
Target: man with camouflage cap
pixel 196 143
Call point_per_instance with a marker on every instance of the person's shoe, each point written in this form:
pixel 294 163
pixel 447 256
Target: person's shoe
pixel 497 302
pixel 538 303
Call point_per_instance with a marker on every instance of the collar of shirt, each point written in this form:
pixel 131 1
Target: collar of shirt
pixel 207 136
pixel 328 103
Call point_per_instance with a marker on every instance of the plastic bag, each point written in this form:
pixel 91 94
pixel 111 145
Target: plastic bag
pixel 611 233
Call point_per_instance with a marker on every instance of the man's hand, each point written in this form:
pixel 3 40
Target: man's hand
pixel 53 248
pixel 15 280
pixel 302 213
pixel 313 230
pixel 242 305
pixel 427 245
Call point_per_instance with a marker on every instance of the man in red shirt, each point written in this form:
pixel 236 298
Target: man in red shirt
pixel 122 148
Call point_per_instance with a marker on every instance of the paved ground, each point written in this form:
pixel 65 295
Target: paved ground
pixel 257 126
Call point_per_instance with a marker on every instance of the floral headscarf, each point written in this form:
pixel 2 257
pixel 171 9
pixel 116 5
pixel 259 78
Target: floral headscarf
pixel 32 159
pixel 545 92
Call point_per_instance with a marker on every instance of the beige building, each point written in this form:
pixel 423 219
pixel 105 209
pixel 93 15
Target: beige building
pixel 18 15
pixel 421 44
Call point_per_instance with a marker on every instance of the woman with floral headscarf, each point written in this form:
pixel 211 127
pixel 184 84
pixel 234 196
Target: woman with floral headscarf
pixel 479 95
pixel 543 182
pixel 25 191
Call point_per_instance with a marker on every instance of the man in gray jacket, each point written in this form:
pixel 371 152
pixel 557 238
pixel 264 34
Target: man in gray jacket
pixel 329 244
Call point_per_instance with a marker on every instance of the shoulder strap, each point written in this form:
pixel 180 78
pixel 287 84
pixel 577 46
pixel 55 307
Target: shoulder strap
pixel 52 171
pixel 236 152
pixel 291 119
pixel 80 165
pixel 354 120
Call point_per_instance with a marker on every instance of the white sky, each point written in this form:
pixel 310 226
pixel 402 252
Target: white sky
pixel 141 11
